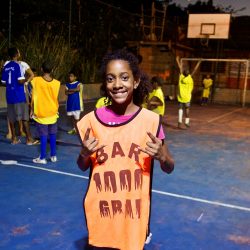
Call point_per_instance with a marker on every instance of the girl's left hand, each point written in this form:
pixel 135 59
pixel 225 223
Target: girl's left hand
pixel 154 147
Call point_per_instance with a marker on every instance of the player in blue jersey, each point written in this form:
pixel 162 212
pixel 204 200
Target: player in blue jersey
pixel 74 103
pixel 17 107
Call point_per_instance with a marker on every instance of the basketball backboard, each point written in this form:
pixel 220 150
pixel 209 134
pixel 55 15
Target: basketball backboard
pixel 212 26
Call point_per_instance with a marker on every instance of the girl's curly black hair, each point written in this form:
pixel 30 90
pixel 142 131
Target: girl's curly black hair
pixel 144 87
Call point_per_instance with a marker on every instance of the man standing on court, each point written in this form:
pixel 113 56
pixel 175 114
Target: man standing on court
pixel 17 107
pixel 185 88
pixel 29 75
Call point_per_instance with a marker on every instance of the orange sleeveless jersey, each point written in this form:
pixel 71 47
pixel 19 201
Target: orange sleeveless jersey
pixel 117 202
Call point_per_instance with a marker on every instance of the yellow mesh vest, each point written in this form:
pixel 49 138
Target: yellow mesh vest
pixel 185 88
pixel 45 98
pixel 206 90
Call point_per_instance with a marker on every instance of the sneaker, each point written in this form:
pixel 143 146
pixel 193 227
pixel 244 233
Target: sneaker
pixel 35 142
pixel 72 132
pixel 41 161
pixel 16 141
pixel 149 237
pixel 53 158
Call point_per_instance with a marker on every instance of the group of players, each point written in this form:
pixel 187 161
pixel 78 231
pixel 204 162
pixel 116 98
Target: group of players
pixel 21 104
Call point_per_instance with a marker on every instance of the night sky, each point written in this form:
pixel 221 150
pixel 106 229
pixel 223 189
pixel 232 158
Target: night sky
pixel 236 4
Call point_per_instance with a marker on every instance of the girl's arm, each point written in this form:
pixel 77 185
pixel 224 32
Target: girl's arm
pixel 159 150
pixel 83 161
pixel 89 146
pixel 154 102
pixel 166 161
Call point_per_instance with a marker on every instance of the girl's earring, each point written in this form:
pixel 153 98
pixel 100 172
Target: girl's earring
pixel 136 85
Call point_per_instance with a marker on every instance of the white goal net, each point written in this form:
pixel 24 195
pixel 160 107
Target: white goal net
pixel 230 78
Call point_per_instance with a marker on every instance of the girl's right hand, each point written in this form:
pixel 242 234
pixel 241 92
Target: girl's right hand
pixel 89 145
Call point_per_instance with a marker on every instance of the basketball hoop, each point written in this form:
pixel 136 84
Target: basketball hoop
pixel 204 40
pixel 208 26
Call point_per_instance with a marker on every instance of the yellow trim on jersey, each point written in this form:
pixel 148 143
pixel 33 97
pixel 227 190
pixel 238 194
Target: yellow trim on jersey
pixel 101 102
pixel 81 97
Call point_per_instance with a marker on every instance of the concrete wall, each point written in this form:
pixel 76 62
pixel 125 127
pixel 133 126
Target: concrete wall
pixel 92 91
pixel 221 95
pixel 157 63
pixel 231 96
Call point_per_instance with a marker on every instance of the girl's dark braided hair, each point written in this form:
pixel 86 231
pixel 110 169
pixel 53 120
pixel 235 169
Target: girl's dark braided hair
pixel 143 88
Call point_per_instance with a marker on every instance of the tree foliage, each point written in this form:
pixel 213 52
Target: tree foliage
pixel 96 25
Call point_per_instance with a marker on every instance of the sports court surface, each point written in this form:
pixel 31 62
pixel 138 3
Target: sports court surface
pixel 203 204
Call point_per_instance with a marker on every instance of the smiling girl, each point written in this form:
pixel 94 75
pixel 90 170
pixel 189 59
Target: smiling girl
pixel 119 143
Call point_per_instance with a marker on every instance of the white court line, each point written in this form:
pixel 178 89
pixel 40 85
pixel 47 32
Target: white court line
pixel 53 171
pixel 221 116
pixel 216 203
pixel 71 143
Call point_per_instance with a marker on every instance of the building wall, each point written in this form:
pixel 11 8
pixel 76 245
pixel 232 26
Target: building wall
pixel 91 92
pixel 157 63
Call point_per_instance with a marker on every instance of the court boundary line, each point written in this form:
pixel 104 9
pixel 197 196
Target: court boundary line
pixel 221 116
pixel 186 197
pixel 216 203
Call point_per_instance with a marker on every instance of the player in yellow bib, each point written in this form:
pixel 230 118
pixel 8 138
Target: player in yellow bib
pixel 44 110
pixel 156 99
pixel 207 84
pixel 185 88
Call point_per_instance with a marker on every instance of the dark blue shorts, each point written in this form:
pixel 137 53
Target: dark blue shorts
pixel 184 105
pixel 46 129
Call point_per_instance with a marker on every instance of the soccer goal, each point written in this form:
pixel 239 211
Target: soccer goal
pixel 230 78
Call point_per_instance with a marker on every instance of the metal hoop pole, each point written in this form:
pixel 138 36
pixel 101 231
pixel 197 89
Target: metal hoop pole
pixel 245 85
pixel 70 17
pixel 9 23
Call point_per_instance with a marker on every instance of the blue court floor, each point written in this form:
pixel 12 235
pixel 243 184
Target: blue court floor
pixel 203 205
